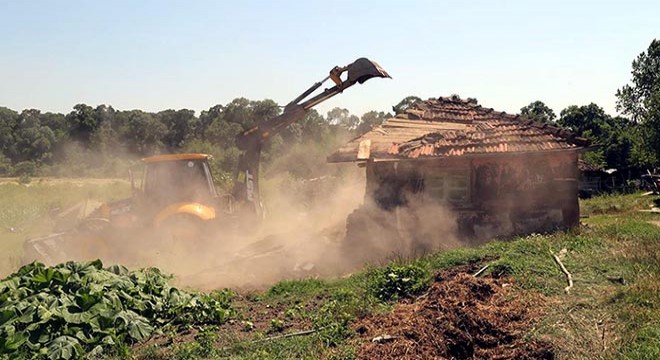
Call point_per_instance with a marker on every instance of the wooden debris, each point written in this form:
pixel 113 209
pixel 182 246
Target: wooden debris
pixel 617 279
pixel 569 277
pixel 284 336
pixel 383 338
pixel 481 270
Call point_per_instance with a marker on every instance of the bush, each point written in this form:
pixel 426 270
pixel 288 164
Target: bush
pixel 5 165
pixel 398 281
pixel 24 179
pixel 28 168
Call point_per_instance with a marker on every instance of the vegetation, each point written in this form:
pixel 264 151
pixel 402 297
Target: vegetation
pixel 26 209
pixel 611 312
pixel 76 309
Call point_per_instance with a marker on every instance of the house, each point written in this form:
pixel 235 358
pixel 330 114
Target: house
pixel 494 173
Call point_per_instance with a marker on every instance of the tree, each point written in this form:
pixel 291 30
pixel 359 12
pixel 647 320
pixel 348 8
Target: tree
pixel 142 132
pixel 614 136
pixel 404 104
pixel 8 123
pixel 82 123
pixel 343 118
pixel 180 125
pixel 33 141
pixel 370 120
pixel 538 111
pixel 641 101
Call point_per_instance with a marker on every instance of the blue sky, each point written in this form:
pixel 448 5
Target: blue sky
pixel 156 55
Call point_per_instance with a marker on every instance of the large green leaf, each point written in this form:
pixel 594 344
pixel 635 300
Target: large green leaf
pixel 6 315
pixel 64 347
pixel 77 307
pixel 138 327
pixel 12 342
pixel 43 276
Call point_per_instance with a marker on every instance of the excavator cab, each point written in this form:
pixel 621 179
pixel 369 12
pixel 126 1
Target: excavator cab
pixel 175 185
pixel 177 178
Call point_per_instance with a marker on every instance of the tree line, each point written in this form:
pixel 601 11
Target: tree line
pixel 100 141
pixel 96 141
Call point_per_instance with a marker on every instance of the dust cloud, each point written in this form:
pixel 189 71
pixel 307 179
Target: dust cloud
pixel 318 227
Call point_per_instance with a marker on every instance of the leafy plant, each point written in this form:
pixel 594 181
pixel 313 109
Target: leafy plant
pixel 396 281
pixel 65 311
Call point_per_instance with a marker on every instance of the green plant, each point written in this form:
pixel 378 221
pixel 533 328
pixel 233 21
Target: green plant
pixel 276 325
pixel 396 281
pixel 24 179
pixel 80 307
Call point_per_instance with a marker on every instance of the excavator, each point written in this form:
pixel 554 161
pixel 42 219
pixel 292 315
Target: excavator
pixel 175 205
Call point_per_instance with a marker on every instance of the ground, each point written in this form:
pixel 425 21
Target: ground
pixel 434 302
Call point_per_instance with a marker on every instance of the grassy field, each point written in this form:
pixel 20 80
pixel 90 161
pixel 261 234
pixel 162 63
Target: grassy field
pixel 25 208
pixel 612 311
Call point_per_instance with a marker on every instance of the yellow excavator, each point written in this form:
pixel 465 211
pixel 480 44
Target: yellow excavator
pixel 175 204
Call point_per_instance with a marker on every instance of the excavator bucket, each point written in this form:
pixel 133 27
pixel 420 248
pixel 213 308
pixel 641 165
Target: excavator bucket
pixel 364 69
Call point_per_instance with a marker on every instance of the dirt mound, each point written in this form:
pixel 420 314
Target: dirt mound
pixel 460 317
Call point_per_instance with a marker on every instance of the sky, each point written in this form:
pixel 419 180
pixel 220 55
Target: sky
pixel 157 55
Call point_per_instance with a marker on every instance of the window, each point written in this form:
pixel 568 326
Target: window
pixel 447 185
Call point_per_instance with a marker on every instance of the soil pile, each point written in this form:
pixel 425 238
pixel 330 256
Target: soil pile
pixel 460 317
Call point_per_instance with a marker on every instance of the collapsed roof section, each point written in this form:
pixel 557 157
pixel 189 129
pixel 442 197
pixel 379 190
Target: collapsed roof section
pixel 451 127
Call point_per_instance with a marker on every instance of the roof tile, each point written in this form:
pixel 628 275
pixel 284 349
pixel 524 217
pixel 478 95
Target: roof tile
pixel 450 126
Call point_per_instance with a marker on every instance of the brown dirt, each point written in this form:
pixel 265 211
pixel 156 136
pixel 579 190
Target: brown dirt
pixel 460 317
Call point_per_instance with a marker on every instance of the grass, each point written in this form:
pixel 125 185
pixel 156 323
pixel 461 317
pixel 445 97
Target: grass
pixel 25 208
pixel 601 318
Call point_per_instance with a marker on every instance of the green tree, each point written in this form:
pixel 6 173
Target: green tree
pixel 82 122
pixel 614 136
pixel 404 104
pixel 343 118
pixel 538 111
pixel 641 101
pixel 141 132
pixel 370 120
pixel 180 125
pixel 8 123
pixel 5 165
pixel 33 141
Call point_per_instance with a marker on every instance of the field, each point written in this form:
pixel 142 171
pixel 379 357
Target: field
pixel 517 300
pixel 26 207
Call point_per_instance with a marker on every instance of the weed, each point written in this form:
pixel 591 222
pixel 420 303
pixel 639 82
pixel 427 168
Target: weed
pixel 276 325
pixel 296 287
pixel 397 281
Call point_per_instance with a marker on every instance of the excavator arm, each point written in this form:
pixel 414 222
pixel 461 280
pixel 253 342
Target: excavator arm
pixel 246 179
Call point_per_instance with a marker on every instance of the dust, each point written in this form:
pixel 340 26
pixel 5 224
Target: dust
pixel 320 226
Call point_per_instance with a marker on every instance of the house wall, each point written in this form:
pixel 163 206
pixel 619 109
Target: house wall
pixel 491 196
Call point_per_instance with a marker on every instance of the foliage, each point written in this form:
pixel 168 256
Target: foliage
pixel 404 104
pixel 370 120
pixel 613 135
pixel 398 281
pixel 641 100
pixel 538 111
pixel 64 311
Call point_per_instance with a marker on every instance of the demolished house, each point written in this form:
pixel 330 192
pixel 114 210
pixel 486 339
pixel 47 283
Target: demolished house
pixel 497 174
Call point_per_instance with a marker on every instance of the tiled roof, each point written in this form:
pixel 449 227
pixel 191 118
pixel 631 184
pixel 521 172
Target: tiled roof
pixel 450 126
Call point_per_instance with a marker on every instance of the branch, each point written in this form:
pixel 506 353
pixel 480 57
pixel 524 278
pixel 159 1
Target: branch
pixel 481 270
pixel 299 333
pixel 569 277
